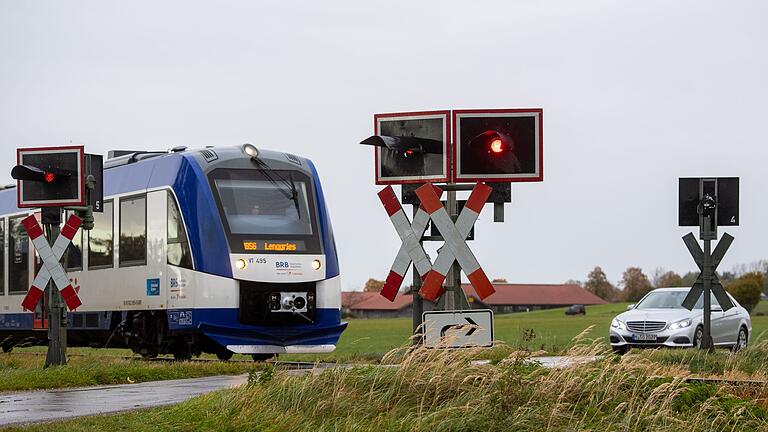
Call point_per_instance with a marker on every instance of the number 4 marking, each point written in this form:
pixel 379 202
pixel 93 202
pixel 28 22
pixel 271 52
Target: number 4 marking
pixel 733 219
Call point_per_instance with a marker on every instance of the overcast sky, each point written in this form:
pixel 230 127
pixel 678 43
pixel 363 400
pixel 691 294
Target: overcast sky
pixel 635 94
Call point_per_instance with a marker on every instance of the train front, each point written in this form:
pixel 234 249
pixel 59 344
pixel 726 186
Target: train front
pixel 282 254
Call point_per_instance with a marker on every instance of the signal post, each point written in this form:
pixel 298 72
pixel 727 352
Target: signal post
pixel 708 203
pixel 54 179
pixel 482 151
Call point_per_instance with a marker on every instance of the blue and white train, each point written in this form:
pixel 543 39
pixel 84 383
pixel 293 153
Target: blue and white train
pixel 217 250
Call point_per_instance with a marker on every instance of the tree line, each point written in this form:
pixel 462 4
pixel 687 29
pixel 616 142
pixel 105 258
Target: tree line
pixel 745 283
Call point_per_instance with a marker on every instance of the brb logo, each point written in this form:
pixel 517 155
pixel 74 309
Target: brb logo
pixel 282 264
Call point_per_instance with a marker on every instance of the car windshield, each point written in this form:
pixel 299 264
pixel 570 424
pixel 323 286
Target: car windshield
pixel 670 300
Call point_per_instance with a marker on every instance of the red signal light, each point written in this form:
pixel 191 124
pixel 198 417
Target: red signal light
pixel 49 177
pixel 497 146
pixel 409 153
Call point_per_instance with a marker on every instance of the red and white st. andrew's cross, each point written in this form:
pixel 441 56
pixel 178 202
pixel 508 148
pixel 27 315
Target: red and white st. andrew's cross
pixel 51 267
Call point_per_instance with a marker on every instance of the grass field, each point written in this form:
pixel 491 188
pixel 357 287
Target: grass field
pixel 368 340
pixel 548 330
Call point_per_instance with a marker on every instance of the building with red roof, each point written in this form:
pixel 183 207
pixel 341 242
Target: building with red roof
pixel 508 298
pixel 361 304
pixel 525 297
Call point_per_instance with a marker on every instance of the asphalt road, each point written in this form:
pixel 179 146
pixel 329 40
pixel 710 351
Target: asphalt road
pixel 41 406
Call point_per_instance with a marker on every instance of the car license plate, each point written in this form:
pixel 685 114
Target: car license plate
pixel 644 337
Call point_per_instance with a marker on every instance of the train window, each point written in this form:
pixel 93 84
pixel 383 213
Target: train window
pixel 73 257
pixel 178 246
pixel 133 231
pixel 100 242
pixel 2 256
pixel 18 256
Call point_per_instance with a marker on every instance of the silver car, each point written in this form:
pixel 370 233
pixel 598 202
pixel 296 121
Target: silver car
pixel 659 319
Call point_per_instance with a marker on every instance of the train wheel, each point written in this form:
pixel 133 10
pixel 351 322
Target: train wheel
pixel 261 357
pixel 182 355
pixel 224 355
pixel 148 354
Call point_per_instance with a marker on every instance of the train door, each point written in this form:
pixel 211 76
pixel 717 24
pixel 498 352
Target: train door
pixel 178 258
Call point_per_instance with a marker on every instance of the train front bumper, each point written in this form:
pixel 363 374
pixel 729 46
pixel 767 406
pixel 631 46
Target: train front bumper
pixel 223 327
pixel 278 349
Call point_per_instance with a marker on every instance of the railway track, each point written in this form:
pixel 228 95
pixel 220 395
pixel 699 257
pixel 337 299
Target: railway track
pixel 283 364
pixel 305 365
pixel 293 365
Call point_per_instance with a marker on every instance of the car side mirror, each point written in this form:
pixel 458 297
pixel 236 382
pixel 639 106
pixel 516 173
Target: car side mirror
pixel 630 307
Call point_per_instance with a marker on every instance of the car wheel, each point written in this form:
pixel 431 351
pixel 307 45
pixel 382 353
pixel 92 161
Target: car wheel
pixel 698 337
pixel 741 340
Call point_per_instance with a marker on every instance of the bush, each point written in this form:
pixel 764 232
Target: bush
pixel 747 289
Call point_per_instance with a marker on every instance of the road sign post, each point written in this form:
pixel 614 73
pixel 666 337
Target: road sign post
pixel 706 200
pixel 455 298
pixel 707 343
pixel 417 150
pixel 54 178
pixel 57 314
pixel 418 302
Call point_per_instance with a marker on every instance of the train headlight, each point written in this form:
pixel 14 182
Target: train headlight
pixel 240 264
pixel 316 264
pixel 250 150
pixel 294 302
pixel 299 303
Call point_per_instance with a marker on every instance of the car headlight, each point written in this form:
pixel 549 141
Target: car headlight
pixel 680 324
pixel 618 324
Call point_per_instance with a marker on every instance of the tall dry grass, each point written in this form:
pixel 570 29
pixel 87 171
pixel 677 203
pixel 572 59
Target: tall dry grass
pixel 436 390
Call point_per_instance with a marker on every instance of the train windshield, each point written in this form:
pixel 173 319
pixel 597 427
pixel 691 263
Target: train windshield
pixel 263 207
pixel 267 211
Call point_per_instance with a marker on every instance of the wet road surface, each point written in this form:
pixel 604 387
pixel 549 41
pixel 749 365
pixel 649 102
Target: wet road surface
pixel 563 361
pixel 48 405
pixel 551 362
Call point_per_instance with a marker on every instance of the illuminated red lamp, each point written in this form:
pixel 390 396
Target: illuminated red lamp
pixel 49 177
pixel 497 146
